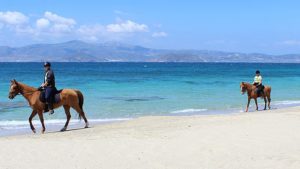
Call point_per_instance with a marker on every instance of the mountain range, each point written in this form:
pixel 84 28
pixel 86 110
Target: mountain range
pixel 79 51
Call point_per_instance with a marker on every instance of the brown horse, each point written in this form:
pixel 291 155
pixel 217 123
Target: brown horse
pixel 68 98
pixel 252 94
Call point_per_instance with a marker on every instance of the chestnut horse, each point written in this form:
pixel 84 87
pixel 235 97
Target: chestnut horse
pixel 251 91
pixel 68 98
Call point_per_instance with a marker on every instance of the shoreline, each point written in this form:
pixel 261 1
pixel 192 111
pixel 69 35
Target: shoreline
pixel 55 126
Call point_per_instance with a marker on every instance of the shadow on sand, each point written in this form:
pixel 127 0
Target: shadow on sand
pixel 75 129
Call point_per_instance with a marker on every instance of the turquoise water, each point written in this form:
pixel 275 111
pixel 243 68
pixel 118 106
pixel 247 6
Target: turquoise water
pixel 117 91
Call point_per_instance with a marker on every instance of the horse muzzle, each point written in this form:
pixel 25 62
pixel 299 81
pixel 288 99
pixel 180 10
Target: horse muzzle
pixel 11 96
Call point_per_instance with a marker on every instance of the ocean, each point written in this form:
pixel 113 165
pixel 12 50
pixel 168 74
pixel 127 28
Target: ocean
pixel 122 91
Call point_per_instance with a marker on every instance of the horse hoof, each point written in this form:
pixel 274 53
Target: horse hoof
pixel 33 130
pixel 63 129
pixel 43 132
pixel 86 125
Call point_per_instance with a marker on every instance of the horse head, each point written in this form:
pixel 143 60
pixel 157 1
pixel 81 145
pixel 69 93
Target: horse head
pixel 14 89
pixel 243 87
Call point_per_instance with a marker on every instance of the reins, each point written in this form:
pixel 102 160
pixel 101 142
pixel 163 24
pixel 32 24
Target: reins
pixel 248 87
pixel 23 93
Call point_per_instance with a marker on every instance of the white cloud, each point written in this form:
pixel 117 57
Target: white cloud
pixel 99 32
pixel 127 27
pixel 42 23
pixel 91 29
pixel 60 28
pixel 26 29
pixel 60 24
pixel 13 18
pixel 91 32
pixel 159 34
pixel 59 19
pixel 51 26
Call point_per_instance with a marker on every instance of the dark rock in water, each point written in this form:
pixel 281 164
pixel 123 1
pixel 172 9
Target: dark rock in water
pixel 4 106
pixel 191 82
pixel 135 99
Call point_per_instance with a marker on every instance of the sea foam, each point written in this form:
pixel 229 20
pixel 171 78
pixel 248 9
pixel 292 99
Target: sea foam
pixel 184 111
pixel 19 124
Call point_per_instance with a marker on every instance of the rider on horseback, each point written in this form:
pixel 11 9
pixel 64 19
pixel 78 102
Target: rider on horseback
pixel 258 83
pixel 49 86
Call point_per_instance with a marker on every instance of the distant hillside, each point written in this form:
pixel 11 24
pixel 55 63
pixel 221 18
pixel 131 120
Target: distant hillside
pixel 78 51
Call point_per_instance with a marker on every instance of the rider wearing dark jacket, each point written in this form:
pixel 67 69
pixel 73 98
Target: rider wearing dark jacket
pixel 49 85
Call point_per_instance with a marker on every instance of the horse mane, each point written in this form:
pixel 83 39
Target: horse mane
pixel 26 87
pixel 248 84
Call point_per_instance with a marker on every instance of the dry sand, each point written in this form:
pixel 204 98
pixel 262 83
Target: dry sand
pixel 255 140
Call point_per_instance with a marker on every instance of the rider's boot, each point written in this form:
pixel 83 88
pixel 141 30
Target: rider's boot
pixel 46 109
pixel 50 106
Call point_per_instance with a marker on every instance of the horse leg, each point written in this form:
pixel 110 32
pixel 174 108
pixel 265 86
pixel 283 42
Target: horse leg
pixel 40 113
pixel 81 114
pixel 256 103
pixel 265 99
pixel 68 114
pixel 269 101
pixel 248 104
pixel 30 120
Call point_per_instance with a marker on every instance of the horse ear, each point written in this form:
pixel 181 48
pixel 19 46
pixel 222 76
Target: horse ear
pixel 243 82
pixel 15 81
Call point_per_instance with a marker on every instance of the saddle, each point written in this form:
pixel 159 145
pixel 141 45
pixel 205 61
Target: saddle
pixel 56 97
pixel 260 90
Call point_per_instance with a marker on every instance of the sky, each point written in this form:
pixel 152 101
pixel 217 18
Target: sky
pixel 255 26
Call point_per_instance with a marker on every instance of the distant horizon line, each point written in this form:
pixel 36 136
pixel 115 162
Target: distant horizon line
pixel 118 42
pixel 157 62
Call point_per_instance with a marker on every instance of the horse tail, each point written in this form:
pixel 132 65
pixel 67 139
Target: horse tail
pixel 80 101
pixel 270 94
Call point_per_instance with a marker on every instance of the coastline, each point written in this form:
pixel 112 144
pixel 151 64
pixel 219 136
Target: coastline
pixel 263 139
pixel 15 128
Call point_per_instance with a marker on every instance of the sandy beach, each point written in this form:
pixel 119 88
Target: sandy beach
pixel 264 140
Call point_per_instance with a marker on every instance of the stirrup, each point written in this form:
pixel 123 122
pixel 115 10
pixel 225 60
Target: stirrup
pixel 51 112
pixel 46 108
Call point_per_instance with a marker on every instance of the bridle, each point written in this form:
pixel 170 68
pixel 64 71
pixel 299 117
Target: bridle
pixel 21 92
pixel 247 87
pixel 244 88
